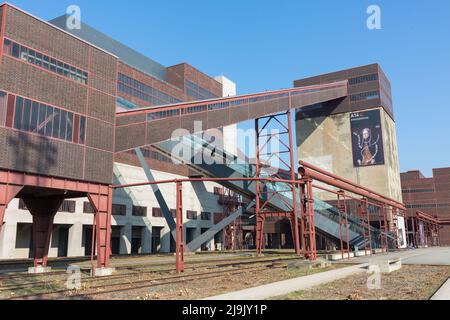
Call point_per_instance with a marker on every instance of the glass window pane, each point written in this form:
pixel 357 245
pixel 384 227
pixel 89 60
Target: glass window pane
pixel 79 76
pixel 26 115
pixel 49 122
pixel 56 118
pixel 69 126
pixel 46 62
pixel 31 54
pixel 15 50
pixel 62 132
pixel 3 107
pixel 7 46
pixel 73 73
pixel 18 113
pixel 39 59
pixel 23 53
pixel 34 116
pixel 82 129
pixel 60 68
pixel 52 65
pixel 66 70
pixel 42 117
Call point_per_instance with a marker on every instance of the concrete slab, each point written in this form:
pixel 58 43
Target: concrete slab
pixel 362 253
pixel 287 286
pixel 37 270
pixel 443 293
pixel 338 256
pixel 103 272
pixel 389 266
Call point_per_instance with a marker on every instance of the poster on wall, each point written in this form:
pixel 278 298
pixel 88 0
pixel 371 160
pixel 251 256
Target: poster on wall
pixel 367 139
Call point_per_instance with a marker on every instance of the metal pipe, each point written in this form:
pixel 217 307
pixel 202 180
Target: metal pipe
pixel 306 172
pixel 349 183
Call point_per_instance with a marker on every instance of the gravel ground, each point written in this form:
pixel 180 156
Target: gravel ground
pixel 412 282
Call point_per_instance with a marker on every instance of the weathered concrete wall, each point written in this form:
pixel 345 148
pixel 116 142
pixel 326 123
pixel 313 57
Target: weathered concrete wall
pixel 327 143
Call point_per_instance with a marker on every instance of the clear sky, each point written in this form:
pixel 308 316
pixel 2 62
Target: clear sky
pixel 267 44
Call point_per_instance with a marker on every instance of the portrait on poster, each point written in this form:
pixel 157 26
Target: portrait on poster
pixel 367 138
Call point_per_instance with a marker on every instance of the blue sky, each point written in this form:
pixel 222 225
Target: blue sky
pixel 267 44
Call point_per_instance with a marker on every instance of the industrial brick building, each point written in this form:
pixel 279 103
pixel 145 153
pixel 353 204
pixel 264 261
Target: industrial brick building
pixel 85 132
pixel 80 80
pixel 429 195
pixel 332 132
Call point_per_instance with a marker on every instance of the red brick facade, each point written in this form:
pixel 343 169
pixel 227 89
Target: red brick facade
pixel 429 195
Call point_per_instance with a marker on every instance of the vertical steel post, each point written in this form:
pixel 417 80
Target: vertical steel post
pixel 366 205
pixel 294 186
pixel 179 228
pixel 310 227
pixel 339 207
pixel 259 218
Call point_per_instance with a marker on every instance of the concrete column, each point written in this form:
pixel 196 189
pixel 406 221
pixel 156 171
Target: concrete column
pixel 75 248
pixel 8 241
pixel 125 238
pixel 165 239
pixel 146 240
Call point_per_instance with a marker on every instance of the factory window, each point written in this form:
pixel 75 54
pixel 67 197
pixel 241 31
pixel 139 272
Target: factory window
pixel 88 208
pixel 365 96
pixel 206 216
pixel 44 61
pixel 139 211
pixel 191 214
pixel 7 46
pixel 119 209
pixel 15 50
pixel 3 107
pixel 157 213
pixel 143 91
pixel 67 206
pixel 362 79
pixel 46 120
pixel 417 190
pixel 174 213
pixel 197 92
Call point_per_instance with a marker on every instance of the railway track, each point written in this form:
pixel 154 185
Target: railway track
pixel 243 265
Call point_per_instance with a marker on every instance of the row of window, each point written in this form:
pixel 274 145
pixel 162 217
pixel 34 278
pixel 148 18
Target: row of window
pixel 417 190
pixel 362 79
pixel 67 206
pixel 222 105
pixel 143 91
pixel 36 58
pixel 32 116
pixel 121 210
pixel 423 206
pixel 365 96
pixel 197 92
pixel 192 215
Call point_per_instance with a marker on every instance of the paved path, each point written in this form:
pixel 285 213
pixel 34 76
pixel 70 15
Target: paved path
pixel 443 293
pixel 291 285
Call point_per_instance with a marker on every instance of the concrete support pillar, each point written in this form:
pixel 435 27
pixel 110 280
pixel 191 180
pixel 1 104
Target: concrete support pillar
pixel 75 249
pixel 125 238
pixel 146 240
pixel 8 236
